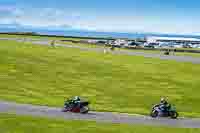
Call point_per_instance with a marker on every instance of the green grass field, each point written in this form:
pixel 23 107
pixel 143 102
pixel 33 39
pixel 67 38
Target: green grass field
pixel 44 75
pixel 38 37
pixel 24 124
pixel 189 48
pixel 188 54
pixel 88 45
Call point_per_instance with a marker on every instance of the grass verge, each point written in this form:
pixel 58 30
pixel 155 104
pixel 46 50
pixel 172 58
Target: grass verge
pixel 10 123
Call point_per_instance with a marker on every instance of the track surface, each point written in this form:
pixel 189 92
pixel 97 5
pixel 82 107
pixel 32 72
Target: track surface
pixel 51 112
pixel 194 60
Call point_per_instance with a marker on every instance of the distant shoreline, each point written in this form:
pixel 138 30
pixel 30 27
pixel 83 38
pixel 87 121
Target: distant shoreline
pixel 90 34
pixel 46 35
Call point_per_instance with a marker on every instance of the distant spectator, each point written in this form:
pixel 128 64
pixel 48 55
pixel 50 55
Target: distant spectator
pixel 53 43
pixel 174 51
pixel 112 48
pixel 104 50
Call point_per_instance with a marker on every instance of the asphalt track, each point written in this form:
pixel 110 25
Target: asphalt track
pixel 190 59
pixel 108 117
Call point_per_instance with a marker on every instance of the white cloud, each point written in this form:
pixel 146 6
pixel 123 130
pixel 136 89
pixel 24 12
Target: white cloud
pixel 39 18
pixel 48 17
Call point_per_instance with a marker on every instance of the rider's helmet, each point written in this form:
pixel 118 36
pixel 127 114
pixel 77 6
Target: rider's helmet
pixel 76 98
pixel 163 100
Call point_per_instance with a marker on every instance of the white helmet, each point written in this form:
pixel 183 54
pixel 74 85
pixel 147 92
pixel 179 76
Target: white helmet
pixel 162 99
pixel 77 98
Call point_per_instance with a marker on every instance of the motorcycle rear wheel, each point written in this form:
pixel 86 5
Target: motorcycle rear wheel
pixel 174 115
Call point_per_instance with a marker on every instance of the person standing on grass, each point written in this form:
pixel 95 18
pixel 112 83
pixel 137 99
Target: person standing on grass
pixel 112 48
pixel 104 50
pixel 53 43
pixel 174 51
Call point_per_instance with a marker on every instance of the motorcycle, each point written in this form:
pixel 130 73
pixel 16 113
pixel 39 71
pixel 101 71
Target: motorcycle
pixel 158 112
pixel 82 107
pixel 166 53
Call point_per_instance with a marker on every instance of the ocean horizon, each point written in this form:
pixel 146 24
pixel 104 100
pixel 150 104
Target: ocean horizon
pixel 82 33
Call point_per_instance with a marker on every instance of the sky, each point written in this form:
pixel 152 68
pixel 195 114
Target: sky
pixel 157 16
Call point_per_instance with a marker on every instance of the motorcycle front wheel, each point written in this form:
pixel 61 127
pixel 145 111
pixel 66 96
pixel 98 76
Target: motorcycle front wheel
pixel 154 113
pixel 84 110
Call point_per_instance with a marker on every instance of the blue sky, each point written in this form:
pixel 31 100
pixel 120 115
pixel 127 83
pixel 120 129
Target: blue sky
pixel 163 16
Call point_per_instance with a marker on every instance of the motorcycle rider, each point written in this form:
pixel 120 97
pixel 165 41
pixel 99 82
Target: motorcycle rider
pixel 164 105
pixel 75 101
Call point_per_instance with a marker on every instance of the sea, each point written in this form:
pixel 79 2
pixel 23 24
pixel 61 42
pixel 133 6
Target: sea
pixel 85 33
